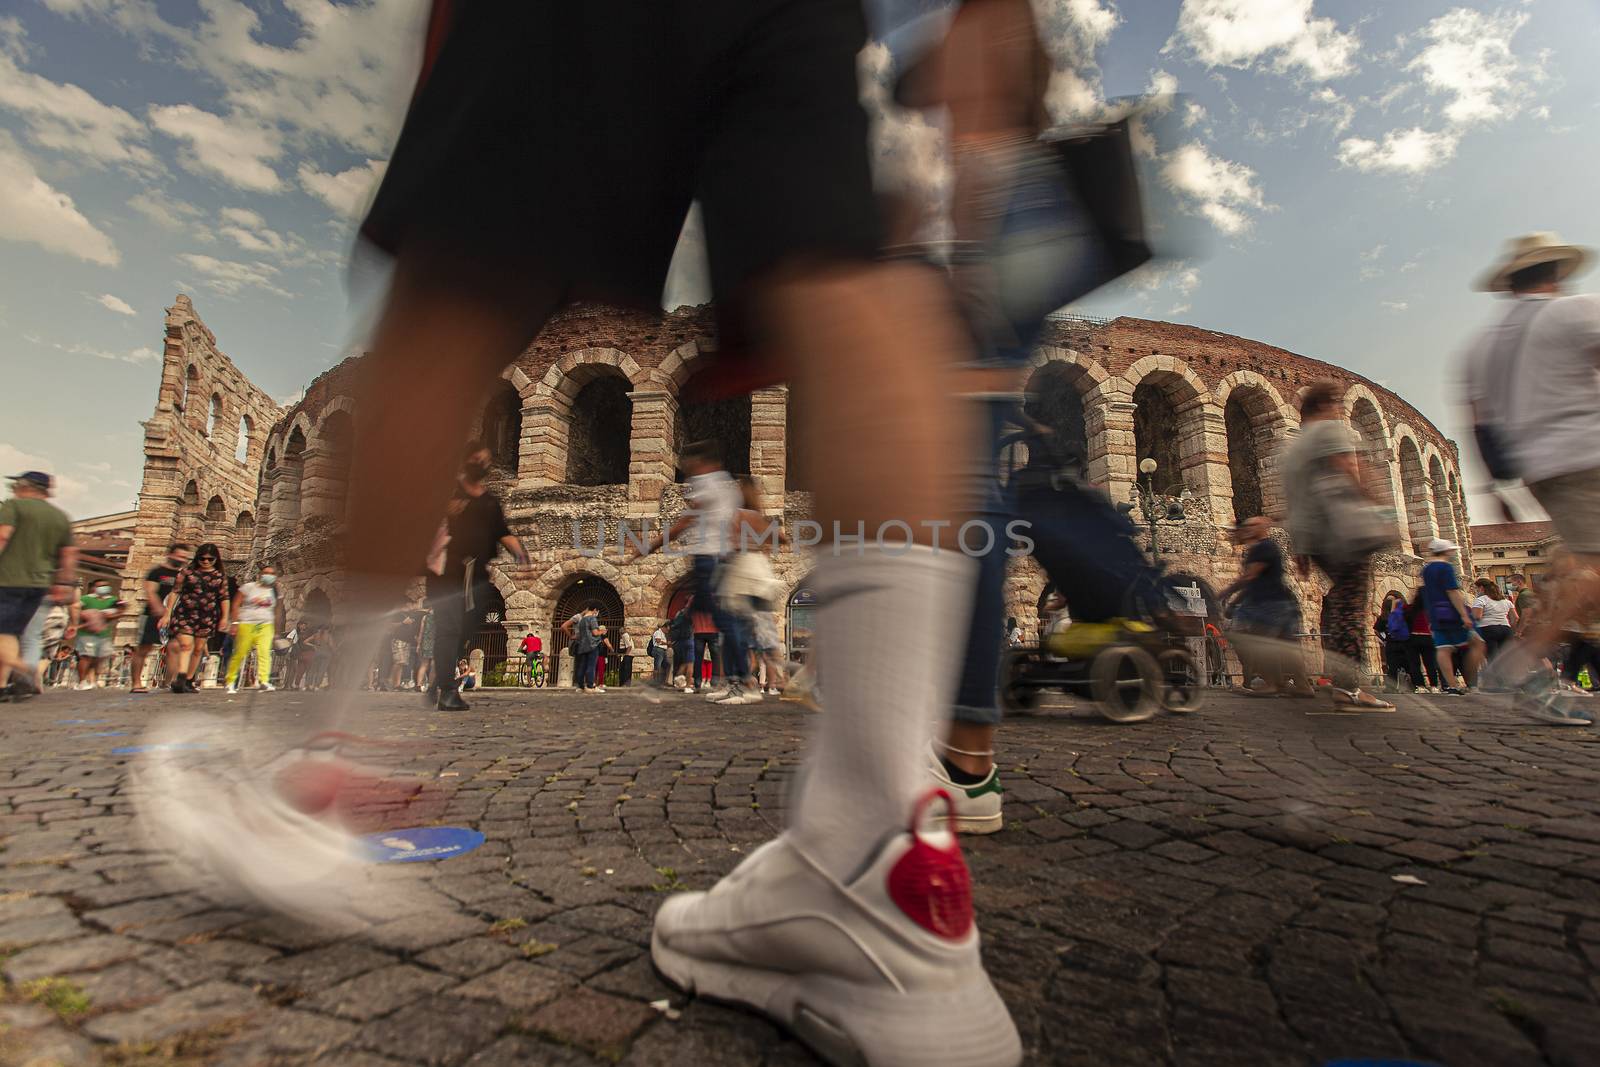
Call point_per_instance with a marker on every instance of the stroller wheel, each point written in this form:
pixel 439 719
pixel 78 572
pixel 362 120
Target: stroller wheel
pixel 1181 691
pixel 1125 683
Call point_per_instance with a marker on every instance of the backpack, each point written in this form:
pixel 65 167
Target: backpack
pixel 1396 627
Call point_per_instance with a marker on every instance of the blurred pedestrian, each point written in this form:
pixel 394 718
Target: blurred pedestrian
pixel 1266 615
pixel 154 591
pixel 660 656
pixel 1331 523
pixel 1496 615
pixel 583 642
pixel 257 615
pixel 37 563
pixel 1455 631
pixel 1422 657
pixel 1533 388
pixel 93 617
pixel 200 607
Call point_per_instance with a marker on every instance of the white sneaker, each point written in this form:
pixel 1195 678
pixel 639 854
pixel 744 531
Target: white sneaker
pixel 718 693
pixel 686 689
pixel 883 972
pixel 267 687
pixel 232 689
pixel 736 695
pixel 599 689
pixel 975 809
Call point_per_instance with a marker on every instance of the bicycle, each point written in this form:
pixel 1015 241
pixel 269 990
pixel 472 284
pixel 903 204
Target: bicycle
pixel 531 673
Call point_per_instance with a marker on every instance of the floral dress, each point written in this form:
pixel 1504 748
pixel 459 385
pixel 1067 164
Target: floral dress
pixel 198 609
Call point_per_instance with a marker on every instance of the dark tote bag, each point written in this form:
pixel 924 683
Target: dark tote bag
pixel 1106 179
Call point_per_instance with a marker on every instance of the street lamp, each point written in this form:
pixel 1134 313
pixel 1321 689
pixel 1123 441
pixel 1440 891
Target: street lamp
pixel 1149 499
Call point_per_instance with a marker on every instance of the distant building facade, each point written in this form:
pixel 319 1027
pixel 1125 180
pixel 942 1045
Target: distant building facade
pixel 1502 549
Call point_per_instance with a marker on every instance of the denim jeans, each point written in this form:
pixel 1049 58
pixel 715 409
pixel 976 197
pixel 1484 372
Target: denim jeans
pixel 455 620
pixel 583 665
pixel 734 664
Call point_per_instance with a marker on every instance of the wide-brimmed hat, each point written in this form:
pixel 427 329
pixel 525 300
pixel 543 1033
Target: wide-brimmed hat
pixel 1439 546
pixel 1530 250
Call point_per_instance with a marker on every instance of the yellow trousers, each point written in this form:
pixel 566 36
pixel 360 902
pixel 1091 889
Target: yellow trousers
pixel 256 635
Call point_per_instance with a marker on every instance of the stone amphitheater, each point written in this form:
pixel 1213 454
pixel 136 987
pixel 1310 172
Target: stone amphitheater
pixel 586 425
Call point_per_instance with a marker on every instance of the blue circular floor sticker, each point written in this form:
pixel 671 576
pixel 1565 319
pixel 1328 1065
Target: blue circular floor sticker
pixel 419 844
pixel 171 746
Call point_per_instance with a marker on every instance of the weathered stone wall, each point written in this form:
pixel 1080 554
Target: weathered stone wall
pixel 1098 366
pixel 202 461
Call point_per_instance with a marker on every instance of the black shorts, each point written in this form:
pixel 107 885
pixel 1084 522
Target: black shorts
pixel 149 630
pixel 563 142
pixel 17 606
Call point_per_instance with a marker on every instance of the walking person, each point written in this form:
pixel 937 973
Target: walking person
pixel 1455 631
pixel 705 532
pixel 460 593
pixel 1330 521
pixel 1497 617
pixel 1525 600
pixel 155 589
pixel 624 656
pixel 200 607
pixel 660 656
pixel 1266 614
pixel 1396 637
pixel 257 616
pixel 37 563
pixel 598 681
pixel 1422 656
pixel 93 618
pixel 751 106
pixel 685 664
pixel 1533 388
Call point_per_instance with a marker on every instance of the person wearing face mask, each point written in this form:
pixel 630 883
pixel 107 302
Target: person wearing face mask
pixel 257 614
pixel 92 618
pixel 158 583
pixel 200 608
pixel 459 589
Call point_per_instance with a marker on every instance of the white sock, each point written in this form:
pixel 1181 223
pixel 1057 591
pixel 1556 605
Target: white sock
pixel 868 763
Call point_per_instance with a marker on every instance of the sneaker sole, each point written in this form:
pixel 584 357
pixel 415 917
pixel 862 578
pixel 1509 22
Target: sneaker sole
pixel 849 1025
pixel 976 824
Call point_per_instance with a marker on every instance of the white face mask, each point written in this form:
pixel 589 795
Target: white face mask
pixel 268 579
pixel 102 590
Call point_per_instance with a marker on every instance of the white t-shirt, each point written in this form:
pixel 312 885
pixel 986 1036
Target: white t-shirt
pixel 713 498
pixel 257 603
pixel 1552 418
pixel 1495 612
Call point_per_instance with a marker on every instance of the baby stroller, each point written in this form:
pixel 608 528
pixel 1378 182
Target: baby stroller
pixel 1125 648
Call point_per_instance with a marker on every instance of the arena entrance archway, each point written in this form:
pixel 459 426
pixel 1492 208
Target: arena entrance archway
pixel 800 620
pixel 584 591
pixel 490 640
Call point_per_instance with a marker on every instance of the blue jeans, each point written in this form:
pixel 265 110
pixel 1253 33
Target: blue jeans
pixel 658 656
pixel 583 665
pixel 735 663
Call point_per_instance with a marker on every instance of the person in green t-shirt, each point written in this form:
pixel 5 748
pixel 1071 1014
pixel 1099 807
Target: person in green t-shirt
pixel 37 561
pixel 93 618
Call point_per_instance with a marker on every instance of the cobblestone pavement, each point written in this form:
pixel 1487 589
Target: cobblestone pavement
pixel 1216 889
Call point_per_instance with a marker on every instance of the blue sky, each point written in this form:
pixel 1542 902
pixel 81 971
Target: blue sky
pixel 1353 166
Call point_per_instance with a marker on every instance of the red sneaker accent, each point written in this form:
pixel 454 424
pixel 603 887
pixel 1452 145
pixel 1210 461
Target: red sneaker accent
pixel 932 885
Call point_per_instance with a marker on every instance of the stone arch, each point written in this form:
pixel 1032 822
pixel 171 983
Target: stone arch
pixel 1057 394
pixel 1169 423
pixel 500 425
pixel 214 415
pixel 1366 418
pixel 1256 422
pixel 581 588
pixel 683 363
pixel 241 443
pixel 666 582
pixel 726 421
pixel 1416 505
pixel 191 391
pixel 547 411
pixel 285 481
pixel 325 481
pixel 1444 509
pixel 599 437
pixel 244 530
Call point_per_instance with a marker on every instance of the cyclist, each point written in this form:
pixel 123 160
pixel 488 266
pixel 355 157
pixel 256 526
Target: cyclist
pixel 532 649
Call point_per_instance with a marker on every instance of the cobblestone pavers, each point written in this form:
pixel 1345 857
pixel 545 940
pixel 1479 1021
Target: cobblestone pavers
pixel 1251 885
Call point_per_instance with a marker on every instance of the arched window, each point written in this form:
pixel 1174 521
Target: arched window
pixel 1414 493
pixel 295 450
pixel 1377 469
pixel 1055 399
pixel 216 510
pixel 1444 509
pixel 191 386
pixel 245 527
pixel 727 422
pixel 502 425
pixel 1248 417
pixel 597 443
pixel 337 439
pixel 241 449
pixel 191 495
pixel 1155 433
pixel 215 415
pixel 585 591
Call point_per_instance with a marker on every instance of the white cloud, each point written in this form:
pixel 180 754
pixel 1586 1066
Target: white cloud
pixel 1409 151
pixel 347 192
pixel 1375 252
pixel 114 303
pixel 1217 189
pixel 1072 32
pixel 1394 305
pixel 250 231
pixel 230 278
pixel 1469 59
pixel 234 149
pixel 66 118
pixel 1283 34
pixel 164 211
pixel 141 355
pixel 37 213
pixel 78 497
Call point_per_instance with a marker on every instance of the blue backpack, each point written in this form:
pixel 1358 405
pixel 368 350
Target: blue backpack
pixel 1396 627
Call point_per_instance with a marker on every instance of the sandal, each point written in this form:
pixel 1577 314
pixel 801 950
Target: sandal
pixel 1355 698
